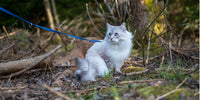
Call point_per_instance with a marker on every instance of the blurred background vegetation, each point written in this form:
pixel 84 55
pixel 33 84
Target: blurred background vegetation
pixel 34 11
pixel 178 11
pixel 181 16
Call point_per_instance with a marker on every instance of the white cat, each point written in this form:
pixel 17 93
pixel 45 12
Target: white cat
pixel 103 56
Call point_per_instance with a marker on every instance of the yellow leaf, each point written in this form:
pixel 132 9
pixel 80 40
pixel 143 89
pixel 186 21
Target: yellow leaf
pixel 149 3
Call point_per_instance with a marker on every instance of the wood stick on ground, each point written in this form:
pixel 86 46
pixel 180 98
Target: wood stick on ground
pixel 56 92
pixel 21 65
pixel 197 93
pixel 12 33
pixel 20 91
pixel 182 83
pixel 136 73
pixel 152 57
pixel 160 97
pixel 141 81
pixel 175 90
pixel 5 49
pixel 6 32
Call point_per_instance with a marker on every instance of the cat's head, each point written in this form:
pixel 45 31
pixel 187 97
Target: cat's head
pixel 117 34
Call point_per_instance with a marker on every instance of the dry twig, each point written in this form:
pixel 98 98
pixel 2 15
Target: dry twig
pixel 57 93
pixel 141 81
pixel 160 97
pixel 6 32
pixel 136 73
pixel 12 33
pixel 91 19
pixel 5 49
pixel 182 82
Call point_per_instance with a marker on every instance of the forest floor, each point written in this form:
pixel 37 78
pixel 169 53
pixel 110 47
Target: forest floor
pixel 54 78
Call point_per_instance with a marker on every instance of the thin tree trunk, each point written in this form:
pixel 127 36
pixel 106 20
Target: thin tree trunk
pixel 49 14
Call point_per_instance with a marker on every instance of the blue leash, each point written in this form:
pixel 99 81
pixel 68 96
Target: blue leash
pixel 12 14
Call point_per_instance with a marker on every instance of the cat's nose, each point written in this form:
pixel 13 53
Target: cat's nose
pixel 111 38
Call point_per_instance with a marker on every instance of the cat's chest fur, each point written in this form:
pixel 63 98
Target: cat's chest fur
pixel 114 54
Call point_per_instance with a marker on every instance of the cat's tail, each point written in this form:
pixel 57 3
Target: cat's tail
pixel 82 67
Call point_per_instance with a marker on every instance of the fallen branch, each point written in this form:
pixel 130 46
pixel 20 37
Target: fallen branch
pixel 136 73
pixel 160 97
pixel 152 58
pixel 175 90
pixel 12 33
pixel 20 91
pixel 5 49
pixel 57 93
pixel 141 81
pixel 21 65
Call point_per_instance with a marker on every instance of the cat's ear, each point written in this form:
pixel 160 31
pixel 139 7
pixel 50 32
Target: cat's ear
pixel 107 25
pixel 123 26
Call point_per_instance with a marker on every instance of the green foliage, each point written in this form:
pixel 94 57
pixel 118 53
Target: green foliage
pixel 69 47
pixel 186 9
pixel 109 75
pixel 116 94
pixel 90 96
pixel 70 8
pixel 160 90
pixel 172 72
pixel 28 9
pixel 33 10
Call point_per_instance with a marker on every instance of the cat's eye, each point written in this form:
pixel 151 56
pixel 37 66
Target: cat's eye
pixel 116 34
pixel 109 34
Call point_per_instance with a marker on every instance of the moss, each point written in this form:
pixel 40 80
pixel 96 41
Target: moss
pixel 195 75
pixel 155 49
pixel 69 47
pixel 134 52
pixel 160 90
pixel 116 94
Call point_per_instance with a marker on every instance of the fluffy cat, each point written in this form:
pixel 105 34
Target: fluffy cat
pixel 103 56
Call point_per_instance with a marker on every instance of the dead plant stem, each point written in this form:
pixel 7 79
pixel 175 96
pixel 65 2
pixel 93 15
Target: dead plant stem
pixel 91 19
pixel 56 92
pixel 149 43
pixel 141 81
pixel 160 97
